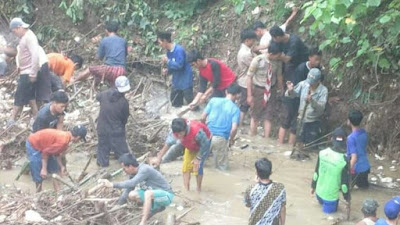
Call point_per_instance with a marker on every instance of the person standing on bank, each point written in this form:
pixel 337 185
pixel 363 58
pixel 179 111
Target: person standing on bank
pixel 357 150
pixel 223 117
pixel 113 116
pixel 182 74
pixel 211 70
pixel 28 64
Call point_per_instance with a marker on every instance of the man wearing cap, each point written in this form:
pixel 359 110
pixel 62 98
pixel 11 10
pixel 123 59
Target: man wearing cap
pixel 332 174
pixel 392 212
pixel 44 149
pixel 113 116
pixel 196 138
pixel 262 76
pixel 28 64
pixel 313 97
pixel 369 208
pixel 155 194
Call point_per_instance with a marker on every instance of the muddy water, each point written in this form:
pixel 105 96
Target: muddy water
pixel 221 201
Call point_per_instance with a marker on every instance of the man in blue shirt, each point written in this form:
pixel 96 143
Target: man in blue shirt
pixel 113 49
pixel 357 150
pixel 223 117
pixel 182 75
pixel 392 212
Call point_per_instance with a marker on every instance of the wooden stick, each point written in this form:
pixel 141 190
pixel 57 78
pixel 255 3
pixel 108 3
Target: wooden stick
pixel 104 213
pixel 83 173
pixel 184 214
pixel 55 176
pixel 95 188
pixel 23 169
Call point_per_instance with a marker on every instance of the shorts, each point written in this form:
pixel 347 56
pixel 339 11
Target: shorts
pixel 244 106
pixel 161 198
pixel 56 82
pixel 187 165
pixel 328 206
pixel 25 91
pixel 360 179
pixel 310 132
pixel 43 84
pixel 261 112
pixel 110 73
pixel 35 163
pixel 290 111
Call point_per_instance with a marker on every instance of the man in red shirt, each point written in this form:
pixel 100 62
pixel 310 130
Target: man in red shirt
pixel 44 149
pixel 196 138
pixel 211 70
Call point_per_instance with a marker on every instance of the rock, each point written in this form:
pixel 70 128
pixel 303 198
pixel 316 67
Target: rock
pixel 392 168
pixel 2 218
pixel 378 157
pixel 394 162
pixel 256 11
pixel 374 179
pixel 287 153
pixel 33 216
pixel 380 167
pixel 387 180
pixel 179 208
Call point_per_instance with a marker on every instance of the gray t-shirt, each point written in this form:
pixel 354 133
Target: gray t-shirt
pixel 152 178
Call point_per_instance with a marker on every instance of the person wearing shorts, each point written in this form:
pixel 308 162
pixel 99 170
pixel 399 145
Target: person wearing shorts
pixel 196 138
pixel 263 73
pixel 45 148
pixel 28 63
pixel 155 196
pixel 113 49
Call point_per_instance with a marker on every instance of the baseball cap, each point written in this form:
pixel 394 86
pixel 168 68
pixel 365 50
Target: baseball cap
pixel 314 76
pixel 18 22
pixel 392 208
pixel 80 131
pixel 122 84
pixel 369 206
pixel 339 138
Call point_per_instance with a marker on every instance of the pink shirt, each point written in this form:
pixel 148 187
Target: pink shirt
pixel 28 57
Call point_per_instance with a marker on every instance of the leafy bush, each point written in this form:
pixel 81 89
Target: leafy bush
pixel 367 31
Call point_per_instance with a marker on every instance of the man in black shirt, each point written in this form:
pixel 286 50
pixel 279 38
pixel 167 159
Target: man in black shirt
pixel 113 116
pixel 295 50
pixel 51 115
pixel 291 106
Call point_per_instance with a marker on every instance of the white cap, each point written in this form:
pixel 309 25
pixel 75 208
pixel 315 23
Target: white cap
pixel 122 84
pixel 18 22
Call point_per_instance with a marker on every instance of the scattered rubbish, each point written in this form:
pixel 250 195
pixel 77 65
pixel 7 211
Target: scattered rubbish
pixel 380 168
pixel 33 216
pixel 179 208
pixel 379 157
pixel 387 180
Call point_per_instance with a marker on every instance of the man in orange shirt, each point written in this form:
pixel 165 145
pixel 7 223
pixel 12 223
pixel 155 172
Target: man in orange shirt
pixel 64 67
pixel 44 149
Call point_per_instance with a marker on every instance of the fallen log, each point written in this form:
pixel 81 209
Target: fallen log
pixel 58 178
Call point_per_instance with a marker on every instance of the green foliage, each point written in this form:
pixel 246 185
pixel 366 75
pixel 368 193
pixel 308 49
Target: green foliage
pixel 75 10
pixel 366 31
pixel 241 4
pixel 48 35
